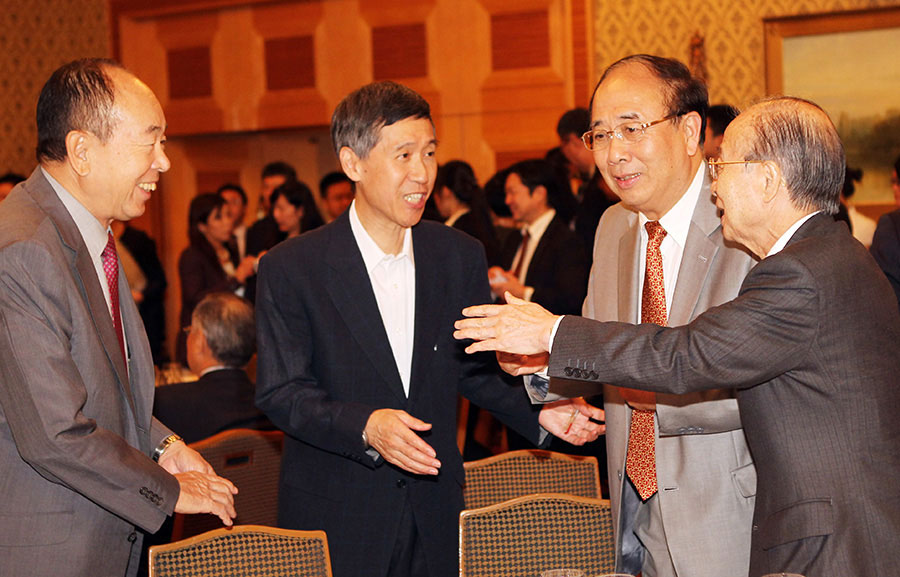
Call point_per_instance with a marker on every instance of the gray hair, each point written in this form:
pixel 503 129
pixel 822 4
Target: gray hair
pixel 229 325
pixel 800 137
pixel 358 119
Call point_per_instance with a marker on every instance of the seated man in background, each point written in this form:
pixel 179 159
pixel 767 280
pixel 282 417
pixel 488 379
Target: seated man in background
pixel 221 341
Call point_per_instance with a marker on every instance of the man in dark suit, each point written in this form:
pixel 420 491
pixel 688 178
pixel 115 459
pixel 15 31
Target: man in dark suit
pixel 358 364
pixel 886 242
pixel 221 341
pixel 546 263
pixel 264 233
pixel 85 468
pixel 817 399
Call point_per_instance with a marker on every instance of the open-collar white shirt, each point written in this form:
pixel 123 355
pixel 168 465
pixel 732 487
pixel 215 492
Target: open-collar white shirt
pixel 393 279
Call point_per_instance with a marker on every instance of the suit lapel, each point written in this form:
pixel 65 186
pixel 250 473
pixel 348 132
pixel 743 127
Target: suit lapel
pixel 86 277
pixel 430 288
pixel 351 291
pixel 696 259
pixel 629 271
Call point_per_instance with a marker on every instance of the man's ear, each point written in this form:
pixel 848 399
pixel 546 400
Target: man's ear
pixel 774 181
pixel 691 123
pixel 350 162
pixel 78 149
pixel 540 191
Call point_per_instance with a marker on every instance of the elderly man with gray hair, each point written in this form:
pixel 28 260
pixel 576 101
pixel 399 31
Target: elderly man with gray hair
pixel 818 401
pixel 220 342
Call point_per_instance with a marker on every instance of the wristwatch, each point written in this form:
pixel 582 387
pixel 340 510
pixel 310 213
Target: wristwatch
pixel 161 448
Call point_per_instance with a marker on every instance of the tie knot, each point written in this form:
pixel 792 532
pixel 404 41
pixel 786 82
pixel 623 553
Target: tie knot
pixel 110 249
pixel 655 232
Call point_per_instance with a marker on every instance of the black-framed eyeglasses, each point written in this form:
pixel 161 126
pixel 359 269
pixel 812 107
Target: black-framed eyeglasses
pixel 627 132
pixel 715 166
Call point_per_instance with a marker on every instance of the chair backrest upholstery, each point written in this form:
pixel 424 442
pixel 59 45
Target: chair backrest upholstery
pixel 244 550
pixel 251 460
pixel 527 535
pixel 518 473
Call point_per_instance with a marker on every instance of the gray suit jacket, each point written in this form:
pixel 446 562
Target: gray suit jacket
pixel 75 430
pixel 704 471
pixel 813 345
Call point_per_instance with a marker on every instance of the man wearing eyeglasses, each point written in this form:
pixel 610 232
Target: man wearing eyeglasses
pixel 692 515
pixel 818 400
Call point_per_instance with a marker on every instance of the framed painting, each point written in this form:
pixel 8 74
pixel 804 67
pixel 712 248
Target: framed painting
pixel 849 64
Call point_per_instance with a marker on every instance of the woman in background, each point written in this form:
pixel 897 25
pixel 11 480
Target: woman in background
pixel 462 204
pixel 209 264
pixel 295 209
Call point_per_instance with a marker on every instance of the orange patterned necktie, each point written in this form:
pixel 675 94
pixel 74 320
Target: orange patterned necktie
pixel 641 461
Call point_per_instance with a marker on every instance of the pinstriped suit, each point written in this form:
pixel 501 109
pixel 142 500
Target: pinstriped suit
pixel 75 427
pixel 812 344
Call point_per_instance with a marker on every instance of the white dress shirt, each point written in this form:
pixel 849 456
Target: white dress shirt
pixel 393 279
pixel 784 238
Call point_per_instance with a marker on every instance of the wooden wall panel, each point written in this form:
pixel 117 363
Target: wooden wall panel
pixel 399 52
pixel 290 63
pixel 520 40
pixel 190 72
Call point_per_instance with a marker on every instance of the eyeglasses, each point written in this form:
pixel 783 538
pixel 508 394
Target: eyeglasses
pixel 715 166
pixel 627 132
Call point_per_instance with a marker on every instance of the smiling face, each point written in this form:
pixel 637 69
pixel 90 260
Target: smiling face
pixel 122 173
pixel 394 180
pixel 287 216
pixel 524 204
pixel 652 174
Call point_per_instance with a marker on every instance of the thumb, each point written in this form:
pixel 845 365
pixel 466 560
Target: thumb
pixel 412 422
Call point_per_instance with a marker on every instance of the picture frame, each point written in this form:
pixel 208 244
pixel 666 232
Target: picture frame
pixel 845 62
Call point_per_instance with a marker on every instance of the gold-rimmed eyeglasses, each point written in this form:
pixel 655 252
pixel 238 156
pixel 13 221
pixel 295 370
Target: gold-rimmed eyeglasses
pixel 715 166
pixel 627 132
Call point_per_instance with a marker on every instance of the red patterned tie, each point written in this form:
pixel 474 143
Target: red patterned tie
pixel 641 461
pixel 111 268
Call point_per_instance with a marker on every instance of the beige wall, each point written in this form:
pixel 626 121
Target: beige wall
pixel 733 32
pixel 38 36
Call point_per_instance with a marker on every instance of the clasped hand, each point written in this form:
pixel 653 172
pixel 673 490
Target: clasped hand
pixel 201 490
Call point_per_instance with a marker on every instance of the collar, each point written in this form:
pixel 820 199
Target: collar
pixel 371 253
pixel 94 234
pixel 537 228
pixel 677 222
pixel 784 238
pixel 208 370
pixel 455 216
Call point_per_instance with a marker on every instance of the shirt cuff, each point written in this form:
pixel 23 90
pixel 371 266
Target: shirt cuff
pixel 553 333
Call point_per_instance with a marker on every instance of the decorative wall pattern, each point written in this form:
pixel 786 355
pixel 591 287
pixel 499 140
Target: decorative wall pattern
pixel 733 31
pixel 36 37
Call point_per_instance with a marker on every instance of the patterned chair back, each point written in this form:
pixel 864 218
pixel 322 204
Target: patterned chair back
pixel 519 473
pixel 244 550
pixel 527 535
pixel 251 460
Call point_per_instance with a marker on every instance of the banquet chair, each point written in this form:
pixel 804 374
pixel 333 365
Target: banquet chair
pixel 252 461
pixel 244 550
pixel 528 535
pixel 518 473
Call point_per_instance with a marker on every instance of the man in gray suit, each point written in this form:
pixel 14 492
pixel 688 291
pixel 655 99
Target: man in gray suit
pixel 85 469
pixel 818 401
pixel 697 524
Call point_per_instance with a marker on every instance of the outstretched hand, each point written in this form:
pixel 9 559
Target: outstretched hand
pixel 573 420
pixel 519 327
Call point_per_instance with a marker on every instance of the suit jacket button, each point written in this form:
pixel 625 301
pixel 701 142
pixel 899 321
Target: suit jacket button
pixel 568 371
pixel 756 527
pixel 401 483
pixel 132 537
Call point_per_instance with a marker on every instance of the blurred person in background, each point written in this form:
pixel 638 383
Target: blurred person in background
pixel 461 202
pixel 336 192
pixel 7 182
pixel 236 199
pixel 886 241
pixel 294 209
pixel 208 264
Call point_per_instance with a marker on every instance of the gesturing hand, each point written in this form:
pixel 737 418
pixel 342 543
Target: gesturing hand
pixel 179 458
pixel 391 432
pixel 206 493
pixel 573 420
pixel 519 327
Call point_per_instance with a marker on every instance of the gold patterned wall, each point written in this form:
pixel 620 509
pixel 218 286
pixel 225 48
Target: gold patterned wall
pixel 733 34
pixel 36 37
